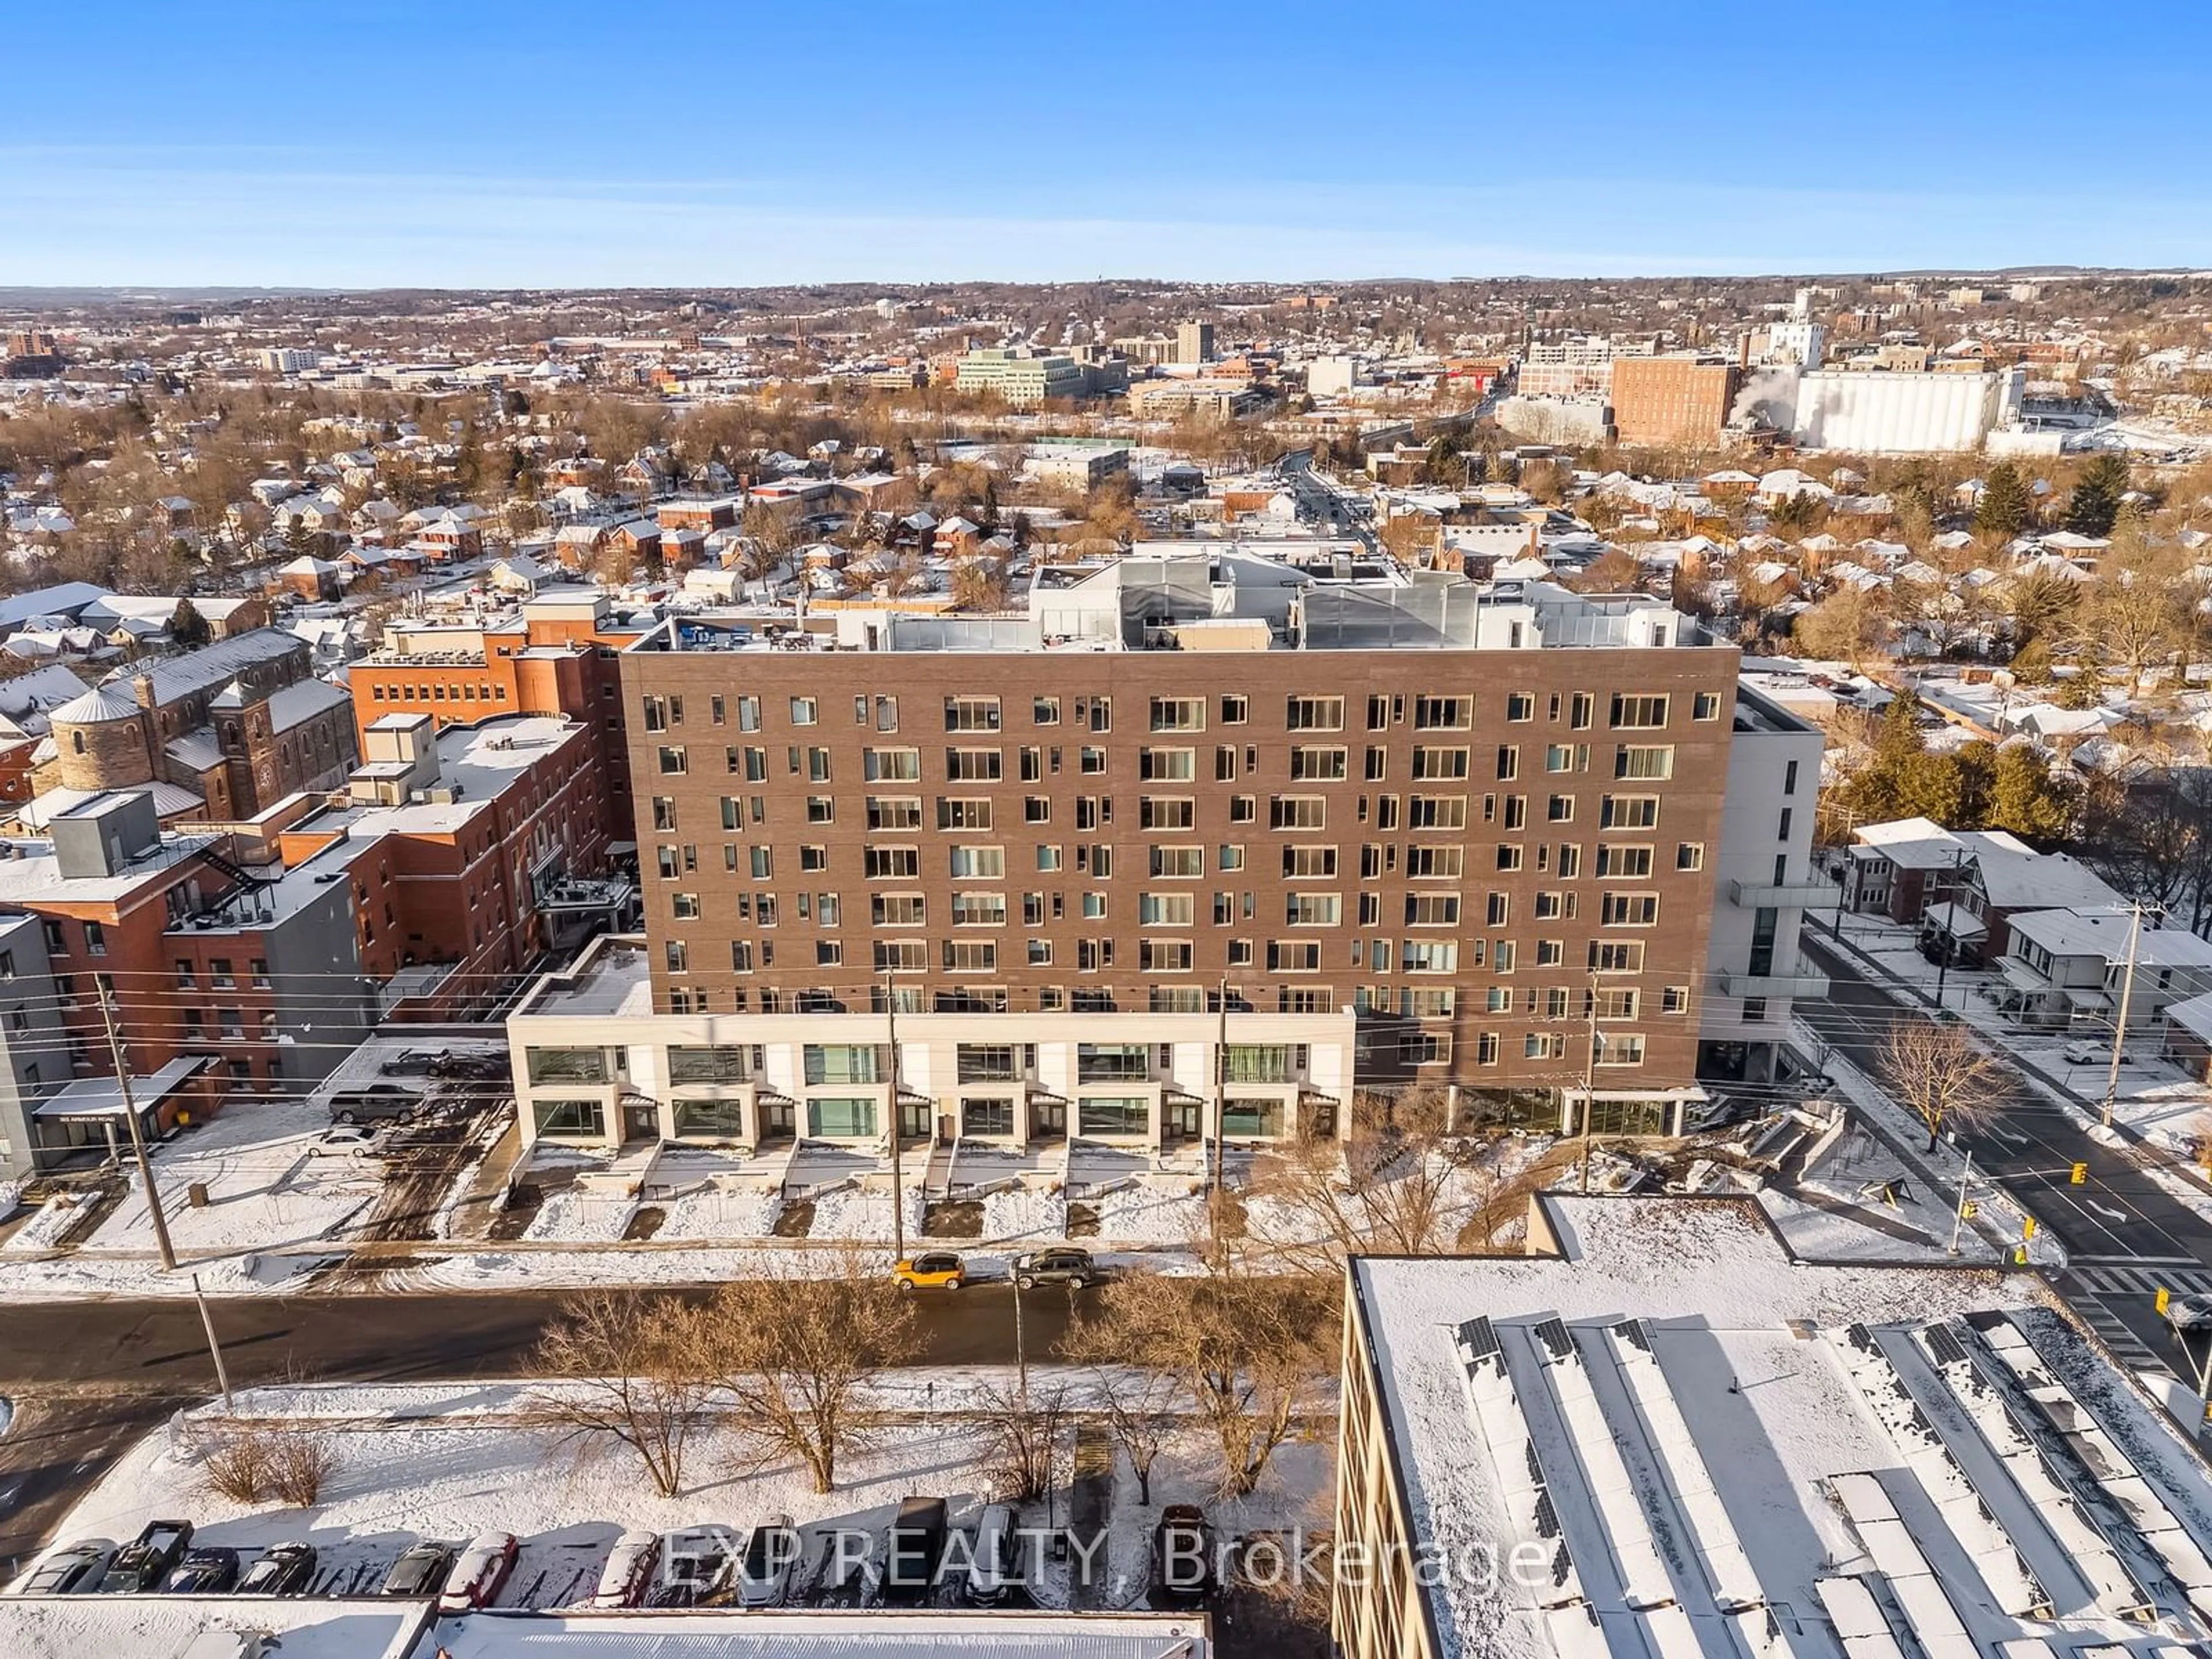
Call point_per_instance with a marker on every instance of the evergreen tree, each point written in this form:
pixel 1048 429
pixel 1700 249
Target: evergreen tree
pixel 2024 798
pixel 187 627
pixel 2084 689
pixel 2095 506
pixel 2004 509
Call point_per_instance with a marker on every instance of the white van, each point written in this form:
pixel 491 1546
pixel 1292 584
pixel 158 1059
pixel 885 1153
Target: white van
pixel 996 1568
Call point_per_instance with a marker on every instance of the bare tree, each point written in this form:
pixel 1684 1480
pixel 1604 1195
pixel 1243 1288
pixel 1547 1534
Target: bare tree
pixel 1940 1074
pixel 1385 1186
pixel 1024 1429
pixel 1247 1350
pixel 796 1357
pixel 631 1369
pixel 1140 1413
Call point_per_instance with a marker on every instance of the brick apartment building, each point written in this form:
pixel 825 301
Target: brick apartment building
pixel 1678 399
pixel 470 851
pixel 554 655
pixel 254 972
pixel 1481 819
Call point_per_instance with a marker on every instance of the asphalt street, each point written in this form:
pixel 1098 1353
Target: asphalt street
pixel 88 1378
pixel 2126 1236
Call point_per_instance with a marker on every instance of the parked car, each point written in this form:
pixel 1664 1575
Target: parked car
pixel 208 1571
pixel 342 1140
pixel 376 1103
pixel 1183 1567
pixel 421 1572
pixel 2095 1053
pixel 764 1569
pixel 481 1572
pixel 627 1577
pixel 69 1571
pixel 1064 1266
pixel 696 1567
pixel 141 1565
pixel 994 1571
pixel 913 1548
pixel 494 1066
pixel 932 1270
pixel 2189 1314
pixel 287 1570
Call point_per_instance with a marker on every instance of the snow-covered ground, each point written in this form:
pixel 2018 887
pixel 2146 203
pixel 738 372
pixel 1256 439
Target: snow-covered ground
pixel 722 1211
pixel 582 1216
pixel 863 1214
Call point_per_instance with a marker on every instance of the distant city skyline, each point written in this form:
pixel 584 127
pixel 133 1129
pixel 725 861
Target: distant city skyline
pixel 675 145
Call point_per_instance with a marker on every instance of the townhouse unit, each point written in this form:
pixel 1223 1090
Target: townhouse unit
pixel 2069 970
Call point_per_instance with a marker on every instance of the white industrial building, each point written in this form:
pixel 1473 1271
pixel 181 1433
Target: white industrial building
pixel 1880 412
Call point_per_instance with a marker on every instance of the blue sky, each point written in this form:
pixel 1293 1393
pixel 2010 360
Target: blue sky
pixel 478 143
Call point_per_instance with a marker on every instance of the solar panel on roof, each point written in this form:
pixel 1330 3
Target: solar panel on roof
pixel 1553 1333
pixel 1943 1342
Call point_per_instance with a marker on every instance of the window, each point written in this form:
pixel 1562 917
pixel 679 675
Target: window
pixel 1044 711
pixel 897 909
pixel 1674 1000
pixel 1628 812
pixel 886 712
pixel 1621 1048
pixel 1610 956
pixel 993 1116
pixel 880 862
pixel 1508 855
pixel 955 812
pixel 1781 826
pixel 821 809
pixel 974 766
pixel 848 1117
pixel 891 765
pixel 1427 863
pixel 1690 855
pixel 1169 765
pixel 678 956
pixel 1656 761
pixel 1581 711
pixel 1432 764
pixel 219 971
pixel 185 980
pixel 1431 910
pixel 1521 706
pixel 1243 809
pixel 1315 714
pixel 829 953
pixel 663 812
pixel 901 956
pixel 978 863
pixel 684 907
pixel 1544 1045
pixel 1230 856
pixel 1498 912
pixel 1312 909
pixel 1233 710
pixel 894 812
pixel 1706 705
pixel 1508 763
pixel 565 1066
pixel 1566 758
pixel 1091 761
pixel 1178 714
pixel 1442 714
pixel 1632 714
pixel 963 956
pixel 804 711
pixel 1629 910
pixel 1630 863
pixel 1551 952
pixel 1178 863
pixel 979 909
pixel 1112 1115
pixel 1164 956
pixel 1486 1048
pixel 1296 812
pixel 1308 863
pixel 569 1120
pixel 1312 764
pixel 849 1062
pixel 1048 857
pixel 672 763
pixel 1166 909
pixel 1435 812
pixel 1790 778
pixel 1293 956
pixel 95 940
pixel 971 714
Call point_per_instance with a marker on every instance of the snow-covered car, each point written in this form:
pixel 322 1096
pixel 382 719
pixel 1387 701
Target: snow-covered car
pixel 420 1571
pixel 67 1570
pixel 2095 1053
pixel 342 1140
pixel 696 1568
pixel 627 1576
pixel 764 1569
pixel 212 1570
pixel 480 1574
pixel 2189 1315
pixel 287 1570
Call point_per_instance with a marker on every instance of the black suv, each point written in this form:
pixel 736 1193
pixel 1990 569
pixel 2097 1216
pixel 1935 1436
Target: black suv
pixel 140 1566
pixel 1065 1265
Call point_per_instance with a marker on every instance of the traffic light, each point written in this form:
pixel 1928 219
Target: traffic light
pixel 2020 1255
pixel 2027 1228
pixel 1970 1209
pixel 2164 1296
pixel 2081 1176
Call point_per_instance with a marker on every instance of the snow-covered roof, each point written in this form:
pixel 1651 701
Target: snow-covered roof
pixel 101 706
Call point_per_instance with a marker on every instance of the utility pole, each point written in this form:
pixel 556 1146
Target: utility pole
pixel 138 1137
pixel 1220 1093
pixel 215 1348
pixel 1021 1347
pixel 1943 961
pixel 1589 1084
pixel 2120 1026
pixel 898 1194
pixel 1958 1211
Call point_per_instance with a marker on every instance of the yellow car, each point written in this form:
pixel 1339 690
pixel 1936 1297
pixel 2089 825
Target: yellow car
pixel 938 1270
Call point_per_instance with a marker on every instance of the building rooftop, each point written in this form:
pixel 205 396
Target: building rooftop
pixel 612 977
pixel 920 1634
pixel 209 666
pixel 1710 1446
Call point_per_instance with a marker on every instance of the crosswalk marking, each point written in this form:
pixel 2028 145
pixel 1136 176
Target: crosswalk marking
pixel 2141 1281
pixel 2116 1335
